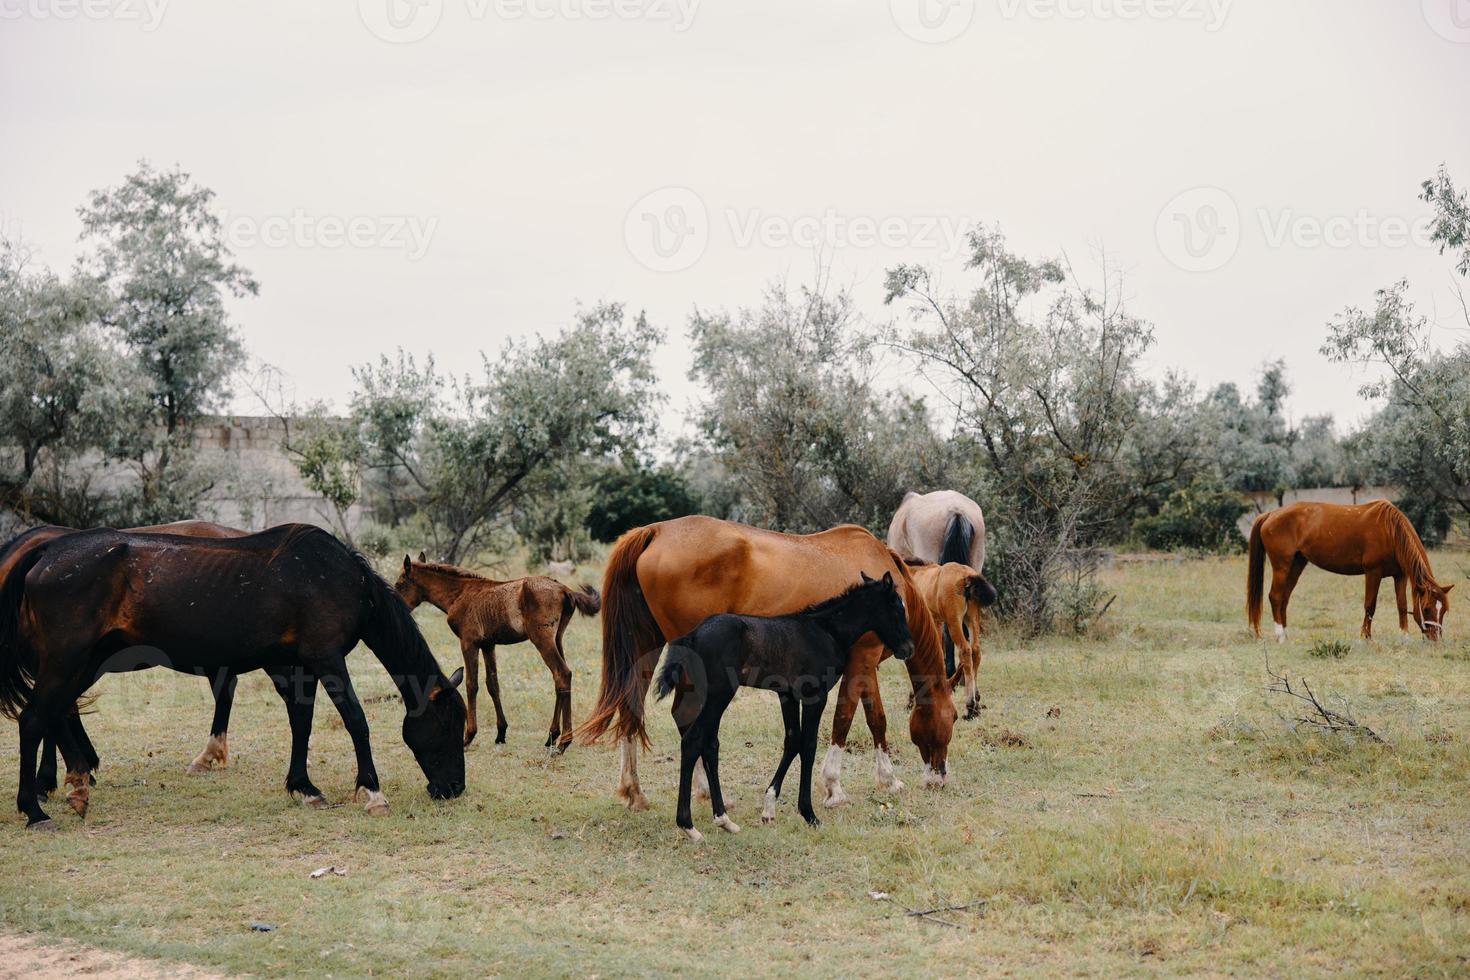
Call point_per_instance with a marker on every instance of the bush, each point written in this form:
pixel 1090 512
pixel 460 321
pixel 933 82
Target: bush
pixel 1202 516
pixel 633 494
pixel 1430 517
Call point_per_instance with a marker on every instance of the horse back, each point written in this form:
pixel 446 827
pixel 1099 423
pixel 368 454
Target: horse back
pixel 1343 538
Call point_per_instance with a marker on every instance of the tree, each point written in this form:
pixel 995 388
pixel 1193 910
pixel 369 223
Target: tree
pixel 455 454
pixel 1051 399
pixel 1420 439
pixel 792 414
pixel 1451 217
pixel 160 256
pixel 66 392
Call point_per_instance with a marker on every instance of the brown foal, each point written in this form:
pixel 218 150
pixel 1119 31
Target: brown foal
pixel 485 613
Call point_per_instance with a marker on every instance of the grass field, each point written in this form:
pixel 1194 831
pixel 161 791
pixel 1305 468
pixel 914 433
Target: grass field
pixel 1127 804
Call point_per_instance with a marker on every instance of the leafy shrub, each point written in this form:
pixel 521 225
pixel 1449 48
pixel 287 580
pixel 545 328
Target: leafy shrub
pixel 1430 517
pixel 1329 649
pixel 633 494
pixel 1202 516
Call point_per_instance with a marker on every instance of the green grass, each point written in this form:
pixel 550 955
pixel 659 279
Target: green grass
pixel 1133 803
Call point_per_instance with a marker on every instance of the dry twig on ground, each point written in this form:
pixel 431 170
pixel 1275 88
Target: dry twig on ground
pixel 1322 717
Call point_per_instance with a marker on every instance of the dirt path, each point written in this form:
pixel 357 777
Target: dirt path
pixel 31 958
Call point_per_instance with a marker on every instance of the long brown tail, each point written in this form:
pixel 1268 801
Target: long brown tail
pixel 587 602
pixel 1255 577
pixel 629 634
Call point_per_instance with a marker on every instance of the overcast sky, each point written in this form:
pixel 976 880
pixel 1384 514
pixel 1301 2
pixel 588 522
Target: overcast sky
pixel 444 174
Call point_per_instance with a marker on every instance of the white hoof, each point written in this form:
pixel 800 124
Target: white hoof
pixel 768 811
pixel 724 822
pixel 315 802
pixel 934 780
pixel 1280 633
pixel 215 750
pixel 692 834
pixel 835 796
pixel 373 801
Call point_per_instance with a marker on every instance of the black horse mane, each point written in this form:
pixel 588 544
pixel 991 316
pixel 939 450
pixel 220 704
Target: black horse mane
pixel 827 605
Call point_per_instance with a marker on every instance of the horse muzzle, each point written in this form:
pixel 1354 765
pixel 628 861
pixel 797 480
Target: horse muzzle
pixel 904 652
pixel 446 791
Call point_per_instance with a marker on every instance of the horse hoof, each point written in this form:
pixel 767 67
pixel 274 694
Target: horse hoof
pixel 729 826
pixel 835 797
pixel 373 801
pixel 500 737
pixel 813 821
pixel 78 803
pixel 468 738
pixel 47 826
pixel 692 834
pixel 317 802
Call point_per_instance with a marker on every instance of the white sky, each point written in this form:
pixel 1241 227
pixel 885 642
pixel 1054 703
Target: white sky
pixel 517 138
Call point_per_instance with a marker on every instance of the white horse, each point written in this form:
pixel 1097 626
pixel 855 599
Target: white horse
pixel 940 527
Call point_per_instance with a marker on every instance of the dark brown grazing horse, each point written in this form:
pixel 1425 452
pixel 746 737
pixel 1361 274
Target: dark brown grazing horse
pixel 292 601
pixel 485 613
pixel 216 749
pixel 1373 540
pixel 663 580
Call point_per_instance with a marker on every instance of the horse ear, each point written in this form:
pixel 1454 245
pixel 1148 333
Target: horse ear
pixel 888 578
pixel 454 680
pixel 1448 587
pixel 866 577
pixel 407 565
pixel 423 558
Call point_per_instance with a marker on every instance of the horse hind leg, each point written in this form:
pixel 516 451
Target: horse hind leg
pixel 1283 581
pixel 628 789
pixel 492 684
pixel 217 749
pixel 559 735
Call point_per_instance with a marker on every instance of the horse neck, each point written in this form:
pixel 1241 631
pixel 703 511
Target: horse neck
pixel 845 622
pixel 1411 555
pixel 926 666
pixel 443 588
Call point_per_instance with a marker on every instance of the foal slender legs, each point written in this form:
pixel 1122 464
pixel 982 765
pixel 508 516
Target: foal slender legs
pixel 492 684
pixel 803 720
pixel 701 740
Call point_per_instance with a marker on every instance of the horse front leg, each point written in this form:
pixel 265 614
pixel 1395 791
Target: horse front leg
pixel 1401 597
pixel 830 775
pixel 217 749
pixel 298 690
pixel 883 775
pixel 811 723
pixel 1371 581
pixel 339 688
pixel 470 651
pixel 790 746
pixel 492 684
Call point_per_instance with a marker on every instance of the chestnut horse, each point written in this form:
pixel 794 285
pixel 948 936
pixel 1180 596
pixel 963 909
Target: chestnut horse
pixel 663 580
pixel 483 613
pixel 216 749
pixel 292 600
pixel 940 527
pixel 954 594
pixel 1372 540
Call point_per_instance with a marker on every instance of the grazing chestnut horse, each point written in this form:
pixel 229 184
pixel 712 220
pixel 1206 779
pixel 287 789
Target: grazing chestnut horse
pixel 940 527
pixel 484 613
pixel 216 749
pixel 954 594
pixel 1372 540
pixel 292 601
pixel 663 580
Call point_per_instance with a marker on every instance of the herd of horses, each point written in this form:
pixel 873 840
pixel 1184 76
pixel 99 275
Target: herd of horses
pixel 734 606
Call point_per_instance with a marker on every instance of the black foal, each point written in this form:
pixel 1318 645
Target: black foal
pixel 799 656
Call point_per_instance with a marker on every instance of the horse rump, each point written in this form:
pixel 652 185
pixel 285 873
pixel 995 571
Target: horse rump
pixel 16 683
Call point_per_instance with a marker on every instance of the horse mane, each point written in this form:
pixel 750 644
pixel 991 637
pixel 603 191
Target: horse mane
pixel 1408 547
pixel 453 571
pixel 827 605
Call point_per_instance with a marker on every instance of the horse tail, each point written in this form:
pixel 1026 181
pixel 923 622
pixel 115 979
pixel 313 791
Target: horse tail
pixel 587 601
pixel 669 675
pixel 16 682
pixel 629 633
pixel 977 589
pixel 958 534
pixel 1255 579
